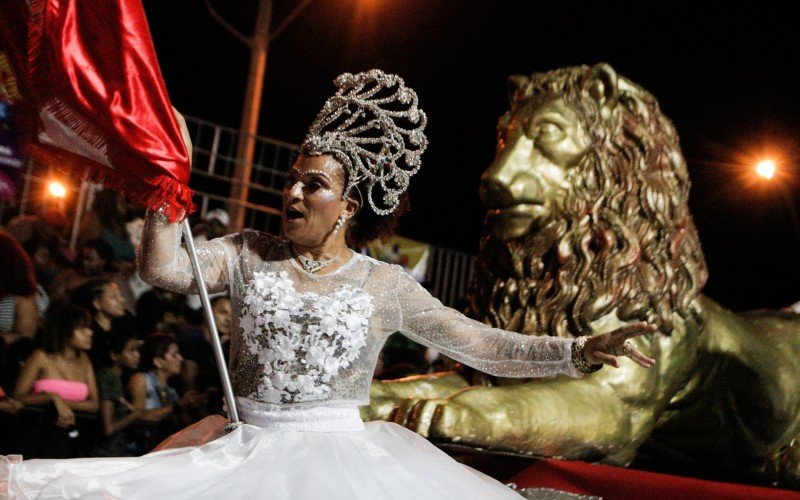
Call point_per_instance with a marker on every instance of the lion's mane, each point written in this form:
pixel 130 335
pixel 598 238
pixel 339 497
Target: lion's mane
pixel 622 238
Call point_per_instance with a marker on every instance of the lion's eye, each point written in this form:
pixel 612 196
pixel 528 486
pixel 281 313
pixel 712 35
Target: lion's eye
pixel 548 130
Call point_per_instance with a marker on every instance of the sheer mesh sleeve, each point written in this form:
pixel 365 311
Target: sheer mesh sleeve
pixel 491 350
pixel 164 262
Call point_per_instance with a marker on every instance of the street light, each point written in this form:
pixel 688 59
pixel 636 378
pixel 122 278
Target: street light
pixel 57 190
pixel 766 169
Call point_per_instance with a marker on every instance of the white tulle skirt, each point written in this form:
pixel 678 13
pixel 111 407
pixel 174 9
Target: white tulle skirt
pixel 277 459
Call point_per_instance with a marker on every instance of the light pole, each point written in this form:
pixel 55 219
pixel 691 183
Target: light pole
pixel 259 49
pixel 250 110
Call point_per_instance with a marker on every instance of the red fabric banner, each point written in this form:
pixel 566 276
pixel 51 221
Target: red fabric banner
pixel 88 74
pixel 619 482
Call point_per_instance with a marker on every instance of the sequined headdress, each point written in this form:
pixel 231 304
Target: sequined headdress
pixel 372 125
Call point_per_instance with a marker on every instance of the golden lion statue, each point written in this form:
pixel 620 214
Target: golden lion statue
pixel 588 228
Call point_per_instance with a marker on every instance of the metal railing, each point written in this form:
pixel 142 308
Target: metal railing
pixel 214 166
pixel 448 275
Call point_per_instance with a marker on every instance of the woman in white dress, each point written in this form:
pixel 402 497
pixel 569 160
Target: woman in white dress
pixel 310 317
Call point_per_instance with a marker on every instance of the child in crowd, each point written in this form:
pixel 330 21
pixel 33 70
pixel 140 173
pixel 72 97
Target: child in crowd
pixel 150 390
pixel 116 413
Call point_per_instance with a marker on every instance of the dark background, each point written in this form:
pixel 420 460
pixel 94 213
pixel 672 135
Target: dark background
pixel 726 75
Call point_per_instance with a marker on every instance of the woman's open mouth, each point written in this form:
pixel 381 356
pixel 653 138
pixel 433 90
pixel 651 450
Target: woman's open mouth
pixel 293 214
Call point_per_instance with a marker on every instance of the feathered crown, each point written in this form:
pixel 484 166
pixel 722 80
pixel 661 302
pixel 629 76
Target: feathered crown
pixel 372 125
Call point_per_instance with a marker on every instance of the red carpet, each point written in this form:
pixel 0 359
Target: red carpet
pixel 618 482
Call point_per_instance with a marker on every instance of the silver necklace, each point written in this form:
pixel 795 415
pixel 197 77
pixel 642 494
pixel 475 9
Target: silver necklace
pixel 311 265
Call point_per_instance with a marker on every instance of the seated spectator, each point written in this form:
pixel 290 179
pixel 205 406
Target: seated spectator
pixel 107 221
pixel 95 260
pixel 60 373
pixel 116 413
pixel 159 311
pixel 51 226
pixel 45 262
pixel 101 297
pixel 19 309
pixel 149 388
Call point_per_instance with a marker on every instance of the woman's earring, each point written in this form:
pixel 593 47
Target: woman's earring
pixel 339 224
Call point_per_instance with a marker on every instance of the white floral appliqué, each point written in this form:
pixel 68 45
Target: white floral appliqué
pixel 302 340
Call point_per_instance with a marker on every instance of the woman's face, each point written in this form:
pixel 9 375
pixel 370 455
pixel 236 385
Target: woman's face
pixel 129 357
pixel 110 302
pixel 312 199
pixel 172 360
pixel 81 338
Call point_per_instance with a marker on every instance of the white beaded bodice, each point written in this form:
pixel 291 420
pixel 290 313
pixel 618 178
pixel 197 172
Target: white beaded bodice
pixel 304 340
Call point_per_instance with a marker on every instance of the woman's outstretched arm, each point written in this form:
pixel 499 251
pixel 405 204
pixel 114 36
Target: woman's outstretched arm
pixel 164 262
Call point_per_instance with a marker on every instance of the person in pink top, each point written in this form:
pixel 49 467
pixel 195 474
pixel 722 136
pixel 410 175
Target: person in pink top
pixel 59 372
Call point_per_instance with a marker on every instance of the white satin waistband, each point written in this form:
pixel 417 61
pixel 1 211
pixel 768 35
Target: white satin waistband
pixel 311 418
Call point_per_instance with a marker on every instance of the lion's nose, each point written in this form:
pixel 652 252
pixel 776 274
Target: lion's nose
pixel 495 189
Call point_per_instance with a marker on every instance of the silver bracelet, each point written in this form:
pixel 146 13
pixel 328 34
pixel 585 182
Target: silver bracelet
pixel 579 359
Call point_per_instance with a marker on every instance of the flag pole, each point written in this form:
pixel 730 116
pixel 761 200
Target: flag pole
pixel 227 389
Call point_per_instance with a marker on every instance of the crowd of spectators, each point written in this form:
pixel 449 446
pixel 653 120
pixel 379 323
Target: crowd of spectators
pixel 93 362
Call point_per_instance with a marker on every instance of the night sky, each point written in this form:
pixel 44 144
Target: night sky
pixel 727 76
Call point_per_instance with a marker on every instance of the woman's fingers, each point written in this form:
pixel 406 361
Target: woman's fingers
pixel 633 330
pixel 606 359
pixel 639 358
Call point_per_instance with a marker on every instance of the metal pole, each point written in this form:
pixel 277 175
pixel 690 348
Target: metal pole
pixel 26 188
pixel 227 389
pixel 250 112
pixel 76 223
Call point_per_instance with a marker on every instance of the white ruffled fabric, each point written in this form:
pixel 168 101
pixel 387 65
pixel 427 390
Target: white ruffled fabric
pixel 380 461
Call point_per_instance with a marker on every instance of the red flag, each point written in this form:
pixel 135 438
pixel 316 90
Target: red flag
pixel 89 75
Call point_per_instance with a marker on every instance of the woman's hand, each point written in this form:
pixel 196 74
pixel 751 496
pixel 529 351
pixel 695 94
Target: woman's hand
pixel 187 138
pixel 66 417
pixel 154 415
pixel 191 399
pixel 10 405
pixel 605 348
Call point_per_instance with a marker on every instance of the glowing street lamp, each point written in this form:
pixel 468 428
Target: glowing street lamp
pixel 57 190
pixel 766 169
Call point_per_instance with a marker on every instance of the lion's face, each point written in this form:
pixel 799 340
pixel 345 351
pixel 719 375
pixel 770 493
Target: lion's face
pixel 538 144
pixel 587 210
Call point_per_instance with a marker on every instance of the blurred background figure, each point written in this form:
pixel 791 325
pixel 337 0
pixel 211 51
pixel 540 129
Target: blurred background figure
pixel 161 311
pixel 96 261
pixel 152 394
pixel 215 225
pixel 116 413
pixel 200 366
pixel 58 375
pixel 19 308
pixel 102 298
pixel 107 221
pixel 47 262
